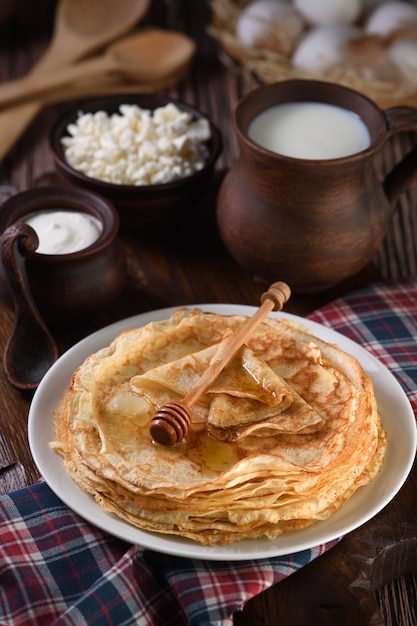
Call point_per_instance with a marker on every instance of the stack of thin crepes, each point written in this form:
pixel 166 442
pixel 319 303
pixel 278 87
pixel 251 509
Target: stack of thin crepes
pixel 284 436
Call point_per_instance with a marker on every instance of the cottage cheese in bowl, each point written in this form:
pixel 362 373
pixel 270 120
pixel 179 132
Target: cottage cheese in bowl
pixel 151 156
pixel 137 146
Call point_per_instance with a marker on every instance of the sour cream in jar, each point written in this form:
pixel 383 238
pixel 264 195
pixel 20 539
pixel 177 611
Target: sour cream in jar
pixel 63 232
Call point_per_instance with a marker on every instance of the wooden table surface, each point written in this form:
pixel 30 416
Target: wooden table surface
pixel 369 577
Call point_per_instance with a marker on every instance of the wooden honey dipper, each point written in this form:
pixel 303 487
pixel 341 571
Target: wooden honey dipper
pixel 171 422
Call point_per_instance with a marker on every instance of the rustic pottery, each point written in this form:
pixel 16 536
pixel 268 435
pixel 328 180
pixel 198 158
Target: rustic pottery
pixel 313 223
pixel 64 287
pixel 141 206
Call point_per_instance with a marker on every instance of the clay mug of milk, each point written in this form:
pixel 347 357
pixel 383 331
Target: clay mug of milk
pixel 304 202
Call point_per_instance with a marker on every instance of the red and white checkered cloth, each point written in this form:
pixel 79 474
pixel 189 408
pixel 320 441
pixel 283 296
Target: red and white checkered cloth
pixel 382 318
pixel 55 569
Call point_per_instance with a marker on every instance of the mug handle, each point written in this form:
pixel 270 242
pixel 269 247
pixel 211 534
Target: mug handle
pixel 30 350
pixel 404 174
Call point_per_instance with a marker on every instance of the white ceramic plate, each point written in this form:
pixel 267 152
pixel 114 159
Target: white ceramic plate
pixel 398 419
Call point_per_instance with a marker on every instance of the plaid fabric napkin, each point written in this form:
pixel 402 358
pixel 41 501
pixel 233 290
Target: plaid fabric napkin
pixel 383 319
pixel 55 569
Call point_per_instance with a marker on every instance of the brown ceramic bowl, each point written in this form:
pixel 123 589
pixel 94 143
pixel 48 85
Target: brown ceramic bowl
pixel 67 287
pixel 138 206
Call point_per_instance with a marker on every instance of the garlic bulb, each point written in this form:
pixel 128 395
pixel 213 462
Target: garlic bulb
pixel 403 54
pixel 269 23
pixel 391 16
pixel 324 12
pixel 323 47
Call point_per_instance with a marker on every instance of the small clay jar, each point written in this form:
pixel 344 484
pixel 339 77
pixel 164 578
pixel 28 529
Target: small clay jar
pixel 64 287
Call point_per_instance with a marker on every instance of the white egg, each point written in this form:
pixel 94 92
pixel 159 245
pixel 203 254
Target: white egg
pixel 403 54
pixel 258 21
pixel 323 47
pixel 390 16
pixel 322 12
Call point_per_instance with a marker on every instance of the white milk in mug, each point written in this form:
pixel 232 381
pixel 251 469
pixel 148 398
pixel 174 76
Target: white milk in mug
pixel 310 130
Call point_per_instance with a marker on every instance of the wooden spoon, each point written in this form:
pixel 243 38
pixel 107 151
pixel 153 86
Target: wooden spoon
pixel 80 28
pixel 112 85
pixel 147 55
pixel 30 350
pixel 171 423
pixel 83 26
pixel 76 91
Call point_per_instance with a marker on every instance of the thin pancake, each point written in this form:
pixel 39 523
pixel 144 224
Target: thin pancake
pixel 321 441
